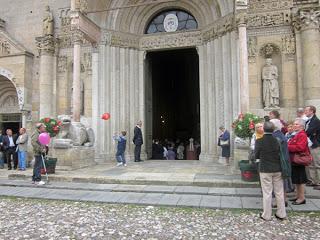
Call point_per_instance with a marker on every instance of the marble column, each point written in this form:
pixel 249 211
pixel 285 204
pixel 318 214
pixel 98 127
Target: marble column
pixel 46 47
pixel 243 62
pixel 310 45
pixel 76 93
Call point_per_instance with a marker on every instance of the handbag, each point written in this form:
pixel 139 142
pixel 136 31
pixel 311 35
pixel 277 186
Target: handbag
pixel 302 158
pixel 224 142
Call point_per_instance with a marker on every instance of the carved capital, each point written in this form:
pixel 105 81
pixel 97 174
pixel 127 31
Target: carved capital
pixel 77 37
pixel 46 44
pixel 308 18
pixel 241 19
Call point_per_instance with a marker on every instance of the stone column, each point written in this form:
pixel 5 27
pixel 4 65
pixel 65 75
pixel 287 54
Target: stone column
pixel 243 63
pixel 46 47
pixel 309 27
pixel 76 93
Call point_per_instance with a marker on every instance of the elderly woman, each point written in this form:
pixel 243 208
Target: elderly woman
pixel 267 149
pixel 224 143
pixel 297 144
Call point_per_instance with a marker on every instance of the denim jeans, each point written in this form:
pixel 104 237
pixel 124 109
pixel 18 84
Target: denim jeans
pixel 120 158
pixel 1 160
pixel 36 177
pixel 22 156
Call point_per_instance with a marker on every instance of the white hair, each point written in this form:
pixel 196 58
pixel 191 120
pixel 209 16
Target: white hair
pixel 301 122
pixel 277 124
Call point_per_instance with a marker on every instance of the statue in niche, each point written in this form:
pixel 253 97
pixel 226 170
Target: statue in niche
pixel 47 23
pixel 270 85
pixel 252 50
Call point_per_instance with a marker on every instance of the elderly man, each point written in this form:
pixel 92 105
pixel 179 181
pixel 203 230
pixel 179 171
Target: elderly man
pixel 313 132
pixel 9 148
pixel 38 150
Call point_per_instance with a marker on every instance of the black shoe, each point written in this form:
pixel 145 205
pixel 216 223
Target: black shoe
pixel 299 203
pixel 279 218
pixel 260 216
pixel 293 199
pixel 136 160
pixel 9 168
pixel 275 205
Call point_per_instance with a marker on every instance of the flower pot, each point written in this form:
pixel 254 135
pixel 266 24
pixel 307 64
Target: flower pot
pixel 50 163
pixel 249 171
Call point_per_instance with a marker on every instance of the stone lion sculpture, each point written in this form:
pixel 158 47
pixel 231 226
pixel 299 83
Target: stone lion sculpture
pixel 73 134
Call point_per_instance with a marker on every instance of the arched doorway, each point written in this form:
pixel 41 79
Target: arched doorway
pixel 10 115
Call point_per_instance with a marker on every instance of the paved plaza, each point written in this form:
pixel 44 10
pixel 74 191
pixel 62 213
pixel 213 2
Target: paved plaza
pixel 46 219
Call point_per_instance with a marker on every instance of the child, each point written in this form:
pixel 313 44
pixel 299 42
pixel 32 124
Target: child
pixel 121 148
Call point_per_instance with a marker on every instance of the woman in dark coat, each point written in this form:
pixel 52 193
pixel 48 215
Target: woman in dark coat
pixel 224 143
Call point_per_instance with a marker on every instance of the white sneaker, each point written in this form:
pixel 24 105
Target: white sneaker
pixel 119 164
pixel 40 183
pixel 125 165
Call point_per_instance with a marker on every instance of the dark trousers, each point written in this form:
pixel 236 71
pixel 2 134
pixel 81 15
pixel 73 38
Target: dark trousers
pixel 137 151
pixel 36 177
pixel 11 151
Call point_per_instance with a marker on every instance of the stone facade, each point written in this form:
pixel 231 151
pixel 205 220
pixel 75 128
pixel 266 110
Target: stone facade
pixel 93 56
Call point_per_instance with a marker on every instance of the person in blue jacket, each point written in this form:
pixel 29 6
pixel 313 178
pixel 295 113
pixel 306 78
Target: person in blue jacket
pixel 121 148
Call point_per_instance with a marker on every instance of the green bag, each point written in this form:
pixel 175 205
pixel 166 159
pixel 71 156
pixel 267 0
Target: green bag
pixel 285 164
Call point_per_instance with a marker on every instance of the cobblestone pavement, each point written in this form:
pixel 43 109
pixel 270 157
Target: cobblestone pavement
pixel 47 219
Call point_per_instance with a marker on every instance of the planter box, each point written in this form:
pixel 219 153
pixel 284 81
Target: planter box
pixel 50 163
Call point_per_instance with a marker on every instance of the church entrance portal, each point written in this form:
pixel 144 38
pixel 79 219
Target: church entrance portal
pixel 173 101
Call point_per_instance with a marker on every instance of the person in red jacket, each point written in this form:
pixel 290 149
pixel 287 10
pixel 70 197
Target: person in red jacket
pixel 298 143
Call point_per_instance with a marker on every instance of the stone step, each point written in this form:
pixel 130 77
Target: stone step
pixel 186 190
pixel 145 198
pixel 182 179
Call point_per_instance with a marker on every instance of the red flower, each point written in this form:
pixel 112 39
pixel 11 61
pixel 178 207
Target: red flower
pixel 59 123
pixel 251 125
pixel 46 120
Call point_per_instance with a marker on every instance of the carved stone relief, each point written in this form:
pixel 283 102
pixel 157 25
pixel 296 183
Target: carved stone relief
pixel 258 5
pixel 172 40
pixel 288 44
pixel 62 64
pixel 4 47
pixel 87 62
pixel 270 19
pixel 252 49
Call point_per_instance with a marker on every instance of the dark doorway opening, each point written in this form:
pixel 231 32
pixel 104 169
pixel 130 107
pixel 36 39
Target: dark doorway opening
pixel 10 121
pixel 175 94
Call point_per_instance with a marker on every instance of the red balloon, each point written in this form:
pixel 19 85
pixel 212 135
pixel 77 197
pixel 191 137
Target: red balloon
pixel 105 116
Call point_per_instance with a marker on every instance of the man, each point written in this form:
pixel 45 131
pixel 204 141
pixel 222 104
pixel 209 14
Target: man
pixel 301 114
pixel 38 150
pixel 137 141
pixel 1 152
pixel 9 148
pixel 313 133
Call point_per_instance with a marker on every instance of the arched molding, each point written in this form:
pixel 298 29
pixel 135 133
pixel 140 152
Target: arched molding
pixel 9 99
pixel 134 20
pixel 18 89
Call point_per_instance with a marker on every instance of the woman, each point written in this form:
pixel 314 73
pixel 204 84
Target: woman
pixel 22 147
pixel 224 143
pixel 267 149
pixel 298 144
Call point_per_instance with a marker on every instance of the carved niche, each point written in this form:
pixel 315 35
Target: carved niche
pixel 269 49
pixel 252 48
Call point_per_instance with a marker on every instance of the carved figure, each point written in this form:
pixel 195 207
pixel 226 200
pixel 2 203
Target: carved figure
pixel 252 50
pixel 72 134
pixel 47 22
pixel 270 84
